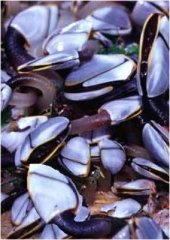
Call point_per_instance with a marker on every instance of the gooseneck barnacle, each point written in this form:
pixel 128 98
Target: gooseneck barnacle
pixel 87 153
pixel 17 41
pixel 152 85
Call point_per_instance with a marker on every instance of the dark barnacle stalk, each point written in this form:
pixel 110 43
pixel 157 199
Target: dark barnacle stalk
pixel 95 227
pixel 32 89
pixel 14 44
pixel 90 123
pixel 158 109
pixel 7 159
pixel 110 113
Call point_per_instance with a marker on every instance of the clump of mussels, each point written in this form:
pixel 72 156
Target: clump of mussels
pixel 85 117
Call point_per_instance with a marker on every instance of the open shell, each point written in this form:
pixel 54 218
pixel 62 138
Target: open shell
pixel 150 169
pixel 136 187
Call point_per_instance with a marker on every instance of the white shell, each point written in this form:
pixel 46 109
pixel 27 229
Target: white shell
pixel 141 165
pixel 52 231
pixel 87 95
pixel 147 228
pixel 158 76
pixel 113 156
pixel 76 156
pixel 71 37
pixel 30 218
pixel 124 233
pixel 77 169
pixel 101 69
pixel 35 50
pixel 137 187
pixel 20 208
pixel 82 214
pixel 113 20
pixel 45 132
pixel 6 93
pixel 23 213
pixel 11 140
pixel 4 196
pixel 155 144
pixel 119 72
pixel 122 209
pixel 36 23
pixel 164 28
pixel 143 9
pixel 51 192
pixel 66 17
pixel 4 76
pixel 122 109
pixel 60 60
pixel 97 135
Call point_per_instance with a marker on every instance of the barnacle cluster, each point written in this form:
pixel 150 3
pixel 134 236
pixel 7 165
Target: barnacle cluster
pixel 85 114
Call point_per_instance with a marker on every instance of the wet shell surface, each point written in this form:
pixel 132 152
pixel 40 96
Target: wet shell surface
pixel 136 187
pixel 102 128
pixel 77 33
pixel 113 20
pixel 50 191
pixel 76 161
pixel 23 22
pixel 156 142
pixel 113 156
pixel 46 132
pixel 125 208
pixel 150 169
pixel 13 139
pixel 97 76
